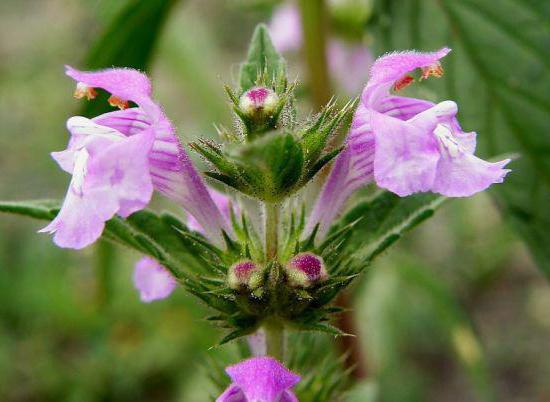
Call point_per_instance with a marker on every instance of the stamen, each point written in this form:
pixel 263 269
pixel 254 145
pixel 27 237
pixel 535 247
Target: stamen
pixel 115 101
pixel 82 90
pixel 434 69
pixel 403 82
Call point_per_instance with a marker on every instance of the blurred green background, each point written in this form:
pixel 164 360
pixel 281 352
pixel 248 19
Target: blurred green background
pixel 457 311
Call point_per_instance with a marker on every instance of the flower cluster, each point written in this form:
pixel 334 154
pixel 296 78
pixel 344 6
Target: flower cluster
pixel 286 269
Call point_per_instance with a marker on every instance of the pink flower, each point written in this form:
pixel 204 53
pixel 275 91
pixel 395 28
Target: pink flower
pixel 224 205
pixel 348 63
pixel 152 280
pixel 405 145
pixel 285 28
pixel 260 379
pixel 117 158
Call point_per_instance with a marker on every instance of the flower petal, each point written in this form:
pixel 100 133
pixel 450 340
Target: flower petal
pixel 124 168
pixel 114 181
pixel 406 156
pixel 84 211
pixel 172 171
pixel 391 67
pixel 262 378
pixel 224 205
pixel 124 83
pixel 466 174
pixel 232 394
pixel 288 396
pixel 152 280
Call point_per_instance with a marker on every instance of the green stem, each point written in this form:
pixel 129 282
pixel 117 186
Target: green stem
pixel 314 22
pixel 275 340
pixel 105 256
pixel 272 211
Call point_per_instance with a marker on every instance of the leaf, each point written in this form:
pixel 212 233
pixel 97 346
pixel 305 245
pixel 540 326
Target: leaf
pixel 143 231
pixel 384 218
pixel 497 73
pixel 263 60
pixel 397 298
pixel 39 209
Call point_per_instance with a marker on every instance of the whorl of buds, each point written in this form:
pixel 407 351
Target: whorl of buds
pixel 306 269
pixel 244 274
pixel 258 102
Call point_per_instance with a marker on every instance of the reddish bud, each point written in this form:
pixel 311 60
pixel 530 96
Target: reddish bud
pixel 244 274
pixel 258 101
pixel 306 269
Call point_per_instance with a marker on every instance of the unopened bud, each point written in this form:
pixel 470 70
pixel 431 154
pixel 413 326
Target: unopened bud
pixel 244 274
pixel 306 269
pixel 258 102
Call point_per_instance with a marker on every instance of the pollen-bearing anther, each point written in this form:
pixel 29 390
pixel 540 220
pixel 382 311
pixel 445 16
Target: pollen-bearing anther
pixel 403 82
pixel 115 101
pixel 82 90
pixel 434 70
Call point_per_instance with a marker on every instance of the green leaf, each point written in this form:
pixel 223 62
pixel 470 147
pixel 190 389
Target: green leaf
pixel 384 218
pixel 404 296
pixel 39 209
pixel 263 61
pixel 143 231
pixel 497 73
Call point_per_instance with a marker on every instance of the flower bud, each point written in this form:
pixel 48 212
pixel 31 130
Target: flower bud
pixel 306 269
pixel 244 274
pixel 258 102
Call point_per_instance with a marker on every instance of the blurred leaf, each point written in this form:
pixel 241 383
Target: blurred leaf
pixel 384 218
pixel 128 41
pixel 143 231
pixel 449 313
pixel 413 317
pixel 498 73
pixel 263 60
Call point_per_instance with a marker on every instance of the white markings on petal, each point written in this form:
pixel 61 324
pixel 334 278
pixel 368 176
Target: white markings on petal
pixel 79 125
pixel 79 171
pixel 447 141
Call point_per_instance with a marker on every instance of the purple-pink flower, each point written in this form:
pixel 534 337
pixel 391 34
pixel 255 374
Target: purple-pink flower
pixel 348 62
pixel 260 379
pixel 118 158
pixel 224 205
pixel 152 280
pixel 405 145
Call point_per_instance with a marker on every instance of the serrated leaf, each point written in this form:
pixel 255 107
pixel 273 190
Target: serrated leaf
pixel 382 220
pixel 497 73
pixel 143 231
pixel 263 60
pixel 235 335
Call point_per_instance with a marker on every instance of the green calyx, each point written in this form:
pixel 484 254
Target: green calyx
pixel 270 156
pixel 278 163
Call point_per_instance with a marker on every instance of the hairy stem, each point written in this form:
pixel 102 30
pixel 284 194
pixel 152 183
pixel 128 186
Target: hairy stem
pixel 272 211
pixel 314 22
pixel 275 340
